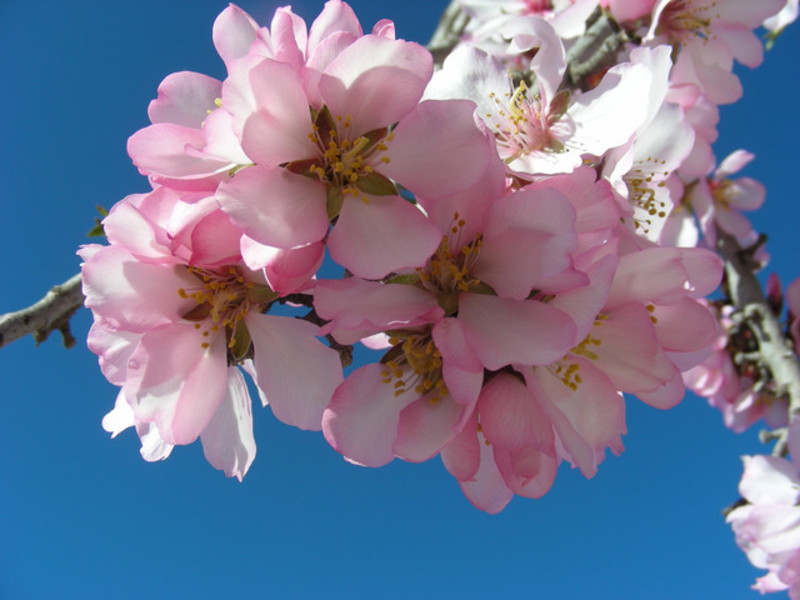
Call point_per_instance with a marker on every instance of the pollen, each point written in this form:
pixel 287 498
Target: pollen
pixel 449 271
pixel 222 298
pixel 416 366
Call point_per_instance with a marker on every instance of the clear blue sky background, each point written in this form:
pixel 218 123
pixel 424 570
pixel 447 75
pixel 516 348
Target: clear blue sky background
pixel 82 516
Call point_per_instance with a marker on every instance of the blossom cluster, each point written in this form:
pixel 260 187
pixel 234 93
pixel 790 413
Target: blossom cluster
pixel 513 235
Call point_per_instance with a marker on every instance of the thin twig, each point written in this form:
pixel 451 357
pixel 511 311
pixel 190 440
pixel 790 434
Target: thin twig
pixel 49 314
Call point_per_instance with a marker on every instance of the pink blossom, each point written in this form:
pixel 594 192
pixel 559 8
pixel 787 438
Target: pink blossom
pixel 710 36
pixel 342 163
pixel 468 309
pixel 718 201
pixel 767 526
pixel 171 333
pixel 550 132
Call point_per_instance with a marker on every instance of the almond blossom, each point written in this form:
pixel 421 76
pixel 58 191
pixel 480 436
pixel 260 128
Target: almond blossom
pixel 767 523
pixel 718 201
pixel 710 36
pixel 572 408
pixel 464 311
pixel 170 332
pixel 543 130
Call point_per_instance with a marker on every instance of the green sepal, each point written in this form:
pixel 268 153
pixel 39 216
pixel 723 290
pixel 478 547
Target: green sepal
pixel 303 167
pixel 325 125
pixel 376 185
pixel 406 279
pixel 449 302
pixel 241 341
pixel 334 199
pixel 97 230
pixel 558 106
pixel 482 288
pixel 373 137
pixel 392 353
pixel 555 146
pixel 199 313
pixel 261 294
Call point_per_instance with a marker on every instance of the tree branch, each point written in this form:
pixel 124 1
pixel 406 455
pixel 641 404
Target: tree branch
pixel 775 352
pixel 49 314
pixel 448 32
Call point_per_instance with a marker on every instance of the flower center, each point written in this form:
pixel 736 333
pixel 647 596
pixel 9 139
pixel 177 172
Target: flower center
pixel 523 125
pixel 347 162
pixel 648 209
pixel 684 18
pixel 721 193
pixel 448 272
pixel 414 363
pixel 223 297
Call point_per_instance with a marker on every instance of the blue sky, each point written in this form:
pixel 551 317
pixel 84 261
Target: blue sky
pixel 83 516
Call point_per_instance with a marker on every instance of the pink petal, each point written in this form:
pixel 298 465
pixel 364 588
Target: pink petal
pixel 160 149
pixel 133 295
pixel 527 472
pixel 504 331
pixel 364 414
pixel 176 383
pixel 584 303
pixel 628 351
pixel 289 271
pixel 587 419
pixel 379 235
pixel 288 37
pixel 184 99
pixel 278 131
pixel 365 305
pixel 536 225
pixel 228 442
pixel 425 426
pixel 487 490
pixel 215 241
pixel 667 395
pixel 438 150
pixel 113 349
pixel 377 81
pixel 685 327
pixel 769 480
pixel 275 206
pixel 461 370
pixel 233 33
pixel 286 352
pixel 334 18
pixel 511 417
pixel 461 456
pixel 120 418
